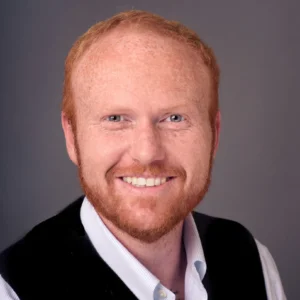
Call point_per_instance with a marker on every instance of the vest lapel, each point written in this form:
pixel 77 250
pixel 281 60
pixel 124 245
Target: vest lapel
pixel 234 269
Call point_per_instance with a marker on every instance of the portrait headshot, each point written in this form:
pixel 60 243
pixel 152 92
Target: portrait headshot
pixel 149 150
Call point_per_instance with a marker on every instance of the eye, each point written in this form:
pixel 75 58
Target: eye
pixel 115 118
pixel 175 118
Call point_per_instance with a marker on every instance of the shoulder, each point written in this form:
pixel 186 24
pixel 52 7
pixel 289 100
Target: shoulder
pixel 271 274
pixel 47 237
pixel 221 227
pixel 230 238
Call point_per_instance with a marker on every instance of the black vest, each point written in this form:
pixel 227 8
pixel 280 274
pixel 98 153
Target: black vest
pixel 56 260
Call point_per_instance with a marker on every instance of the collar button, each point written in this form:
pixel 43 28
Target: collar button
pixel 162 294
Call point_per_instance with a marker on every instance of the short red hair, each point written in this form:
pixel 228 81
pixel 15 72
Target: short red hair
pixel 140 19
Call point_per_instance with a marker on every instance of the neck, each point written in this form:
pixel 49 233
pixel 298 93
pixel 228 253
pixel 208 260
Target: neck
pixel 164 258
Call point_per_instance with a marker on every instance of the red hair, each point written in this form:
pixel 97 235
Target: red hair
pixel 140 19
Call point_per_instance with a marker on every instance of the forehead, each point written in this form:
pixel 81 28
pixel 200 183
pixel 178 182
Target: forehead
pixel 145 63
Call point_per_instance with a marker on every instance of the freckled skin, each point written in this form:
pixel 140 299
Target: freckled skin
pixel 144 78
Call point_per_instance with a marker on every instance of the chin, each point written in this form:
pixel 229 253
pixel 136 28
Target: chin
pixel 147 226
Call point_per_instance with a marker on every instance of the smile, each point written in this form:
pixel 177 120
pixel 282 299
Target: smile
pixel 146 182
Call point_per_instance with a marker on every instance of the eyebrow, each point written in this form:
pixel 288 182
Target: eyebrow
pixel 122 108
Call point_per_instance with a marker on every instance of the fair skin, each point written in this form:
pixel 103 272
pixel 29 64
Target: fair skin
pixel 141 105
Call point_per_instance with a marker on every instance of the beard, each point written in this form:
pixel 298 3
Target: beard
pixel 109 204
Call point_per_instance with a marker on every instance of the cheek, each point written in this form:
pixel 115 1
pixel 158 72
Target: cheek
pixel 98 152
pixel 195 143
pixel 194 154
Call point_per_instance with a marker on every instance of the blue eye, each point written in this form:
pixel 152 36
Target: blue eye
pixel 115 118
pixel 176 118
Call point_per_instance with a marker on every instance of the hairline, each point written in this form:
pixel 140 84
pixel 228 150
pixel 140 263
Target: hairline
pixel 143 27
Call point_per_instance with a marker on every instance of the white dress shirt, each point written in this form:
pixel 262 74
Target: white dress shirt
pixel 143 284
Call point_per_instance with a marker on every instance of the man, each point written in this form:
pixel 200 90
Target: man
pixel 141 121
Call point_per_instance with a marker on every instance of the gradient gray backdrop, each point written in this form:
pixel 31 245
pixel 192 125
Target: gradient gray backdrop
pixel 256 174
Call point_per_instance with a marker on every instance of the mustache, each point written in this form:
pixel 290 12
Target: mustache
pixel 154 170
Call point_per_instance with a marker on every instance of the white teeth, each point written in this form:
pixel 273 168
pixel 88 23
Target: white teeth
pixel 141 182
pixel 150 182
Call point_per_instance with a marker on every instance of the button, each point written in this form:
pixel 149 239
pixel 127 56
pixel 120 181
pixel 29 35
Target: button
pixel 162 294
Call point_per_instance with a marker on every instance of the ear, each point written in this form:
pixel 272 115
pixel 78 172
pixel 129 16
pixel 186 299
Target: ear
pixel 70 138
pixel 217 126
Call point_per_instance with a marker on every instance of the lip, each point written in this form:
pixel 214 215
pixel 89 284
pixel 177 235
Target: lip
pixel 151 190
pixel 147 176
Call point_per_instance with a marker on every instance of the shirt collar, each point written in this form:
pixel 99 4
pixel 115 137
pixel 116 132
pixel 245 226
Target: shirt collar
pixel 193 247
pixel 137 278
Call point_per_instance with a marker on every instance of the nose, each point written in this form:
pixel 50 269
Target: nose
pixel 146 146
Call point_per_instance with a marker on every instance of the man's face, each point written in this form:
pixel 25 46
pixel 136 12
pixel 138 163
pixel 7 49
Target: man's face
pixel 142 117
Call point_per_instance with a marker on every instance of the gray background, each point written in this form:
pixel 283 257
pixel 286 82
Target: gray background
pixel 255 179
